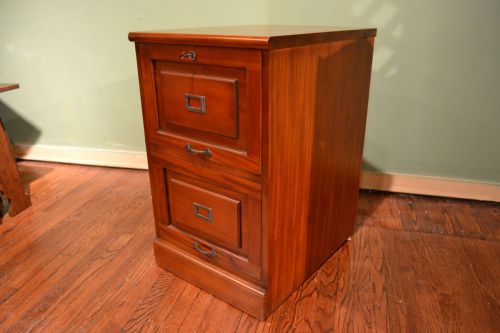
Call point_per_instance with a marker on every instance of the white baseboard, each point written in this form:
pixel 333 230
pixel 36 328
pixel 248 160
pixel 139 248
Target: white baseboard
pixel 85 156
pixel 444 187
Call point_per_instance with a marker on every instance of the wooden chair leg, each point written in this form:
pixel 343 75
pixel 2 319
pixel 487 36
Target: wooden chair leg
pixel 10 181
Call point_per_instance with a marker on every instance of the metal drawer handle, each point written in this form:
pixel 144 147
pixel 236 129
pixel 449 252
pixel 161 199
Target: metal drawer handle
pixel 187 103
pixel 191 55
pixel 196 209
pixel 205 152
pixel 206 253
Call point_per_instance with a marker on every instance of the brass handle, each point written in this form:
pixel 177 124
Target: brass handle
pixel 196 209
pixel 187 103
pixel 205 152
pixel 191 55
pixel 206 253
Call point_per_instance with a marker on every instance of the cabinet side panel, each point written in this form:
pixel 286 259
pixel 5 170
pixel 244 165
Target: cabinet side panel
pixel 318 103
pixel 340 116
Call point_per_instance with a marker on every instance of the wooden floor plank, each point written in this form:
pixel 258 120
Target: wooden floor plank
pixel 103 282
pixel 81 260
pixel 487 217
pixel 150 304
pixel 248 323
pixel 121 305
pixel 197 312
pixel 172 294
pixel 171 321
pixel 67 232
pixel 220 317
pixel 436 281
pixel 32 223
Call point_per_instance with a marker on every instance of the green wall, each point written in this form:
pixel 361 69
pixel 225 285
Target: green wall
pixel 435 94
pixel 434 103
pixel 77 69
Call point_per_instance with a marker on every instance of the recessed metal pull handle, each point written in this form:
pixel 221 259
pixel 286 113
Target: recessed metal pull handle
pixel 203 104
pixel 205 152
pixel 197 208
pixel 191 55
pixel 206 253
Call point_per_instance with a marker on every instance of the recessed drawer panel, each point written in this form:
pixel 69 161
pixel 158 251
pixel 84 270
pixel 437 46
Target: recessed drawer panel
pixel 205 211
pixel 193 97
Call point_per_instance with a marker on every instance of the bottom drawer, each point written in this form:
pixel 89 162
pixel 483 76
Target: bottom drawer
pixel 210 215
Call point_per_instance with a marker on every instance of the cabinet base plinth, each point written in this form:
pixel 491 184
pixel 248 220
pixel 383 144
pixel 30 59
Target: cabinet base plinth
pixel 229 288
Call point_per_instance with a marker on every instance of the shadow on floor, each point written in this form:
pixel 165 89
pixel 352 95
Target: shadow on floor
pixel 369 200
pixel 30 173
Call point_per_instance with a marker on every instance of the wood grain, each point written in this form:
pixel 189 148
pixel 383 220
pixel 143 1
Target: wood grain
pixel 8 86
pixel 78 260
pixel 244 261
pixel 206 211
pixel 315 150
pixel 218 88
pixel 301 109
pixel 241 151
pixel 254 36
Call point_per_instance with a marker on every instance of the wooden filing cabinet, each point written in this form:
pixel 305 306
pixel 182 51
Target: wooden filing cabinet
pixel 254 137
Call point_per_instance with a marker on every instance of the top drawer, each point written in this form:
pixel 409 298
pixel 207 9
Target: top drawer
pixel 207 98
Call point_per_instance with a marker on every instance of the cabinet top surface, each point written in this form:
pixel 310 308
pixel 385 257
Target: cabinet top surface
pixel 254 36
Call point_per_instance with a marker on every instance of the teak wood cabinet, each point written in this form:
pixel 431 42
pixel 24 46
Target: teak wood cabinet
pixel 254 139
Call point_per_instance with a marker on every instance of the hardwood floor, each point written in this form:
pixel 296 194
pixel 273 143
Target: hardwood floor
pixel 81 260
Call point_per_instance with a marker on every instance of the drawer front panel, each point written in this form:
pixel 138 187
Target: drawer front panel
pixel 212 99
pixel 205 210
pixel 193 97
pixel 212 215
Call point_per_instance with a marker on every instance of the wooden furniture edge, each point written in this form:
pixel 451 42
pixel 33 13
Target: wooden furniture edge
pixel 8 86
pixel 207 40
pixel 12 187
pixel 256 42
